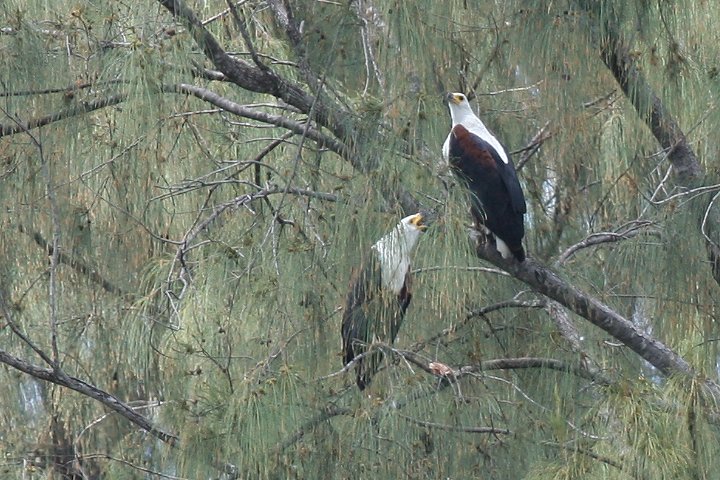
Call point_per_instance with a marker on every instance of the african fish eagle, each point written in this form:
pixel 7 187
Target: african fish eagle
pixel 379 295
pixel 476 156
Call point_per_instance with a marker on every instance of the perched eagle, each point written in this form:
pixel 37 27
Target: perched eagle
pixel 482 162
pixel 378 297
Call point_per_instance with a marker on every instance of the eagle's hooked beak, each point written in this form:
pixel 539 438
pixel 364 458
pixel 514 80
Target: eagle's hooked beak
pixel 418 221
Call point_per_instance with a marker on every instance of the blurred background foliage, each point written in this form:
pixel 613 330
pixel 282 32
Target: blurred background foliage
pixel 206 256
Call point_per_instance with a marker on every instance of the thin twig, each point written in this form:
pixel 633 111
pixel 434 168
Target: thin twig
pixel 455 428
pixel 624 232
pixel 533 146
pixel 240 24
pixel 436 268
pixel 222 13
pixel 54 254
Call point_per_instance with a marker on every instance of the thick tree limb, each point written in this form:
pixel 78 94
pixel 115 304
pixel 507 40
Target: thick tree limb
pixel 547 282
pixel 319 108
pixel 91 391
pixel 254 79
pixel 615 52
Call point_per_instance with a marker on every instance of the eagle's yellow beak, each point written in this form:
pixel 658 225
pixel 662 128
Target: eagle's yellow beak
pixel 454 98
pixel 417 220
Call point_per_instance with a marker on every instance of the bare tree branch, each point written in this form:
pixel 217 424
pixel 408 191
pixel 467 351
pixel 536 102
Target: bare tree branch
pixel 88 390
pixel 455 428
pixel 623 232
pixel 79 109
pixel 251 78
pixel 454 375
pixel 547 282
pixel 301 128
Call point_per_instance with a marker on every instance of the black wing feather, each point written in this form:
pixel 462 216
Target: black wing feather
pixel 371 311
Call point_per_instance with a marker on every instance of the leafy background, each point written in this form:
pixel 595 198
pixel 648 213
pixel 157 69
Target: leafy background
pixel 191 258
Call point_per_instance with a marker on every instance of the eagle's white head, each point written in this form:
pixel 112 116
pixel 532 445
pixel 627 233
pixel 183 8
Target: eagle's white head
pixel 395 248
pixel 411 227
pixel 460 109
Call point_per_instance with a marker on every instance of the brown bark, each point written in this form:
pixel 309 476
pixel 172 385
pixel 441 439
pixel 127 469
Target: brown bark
pixel 113 403
pixel 545 281
pixel 264 80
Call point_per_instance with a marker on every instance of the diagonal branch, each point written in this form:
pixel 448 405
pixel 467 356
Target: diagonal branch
pixel 300 128
pixel 57 376
pixel 615 52
pixel 254 79
pixel 547 282
pixel 616 55
pixel 78 109
pixel 80 386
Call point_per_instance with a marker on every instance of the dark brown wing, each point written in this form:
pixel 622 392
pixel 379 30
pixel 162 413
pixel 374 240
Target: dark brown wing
pixel 498 199
pixel 370 312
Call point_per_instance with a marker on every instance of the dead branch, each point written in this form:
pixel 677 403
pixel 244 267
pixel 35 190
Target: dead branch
pixel 79 109
pixel 252 78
